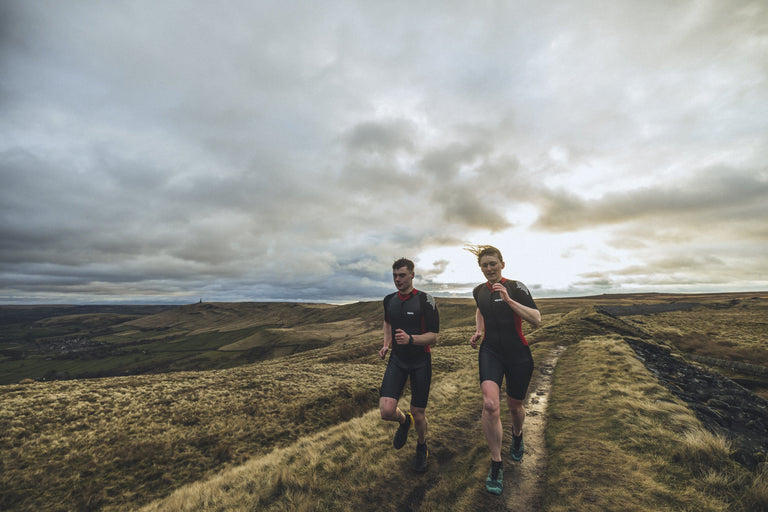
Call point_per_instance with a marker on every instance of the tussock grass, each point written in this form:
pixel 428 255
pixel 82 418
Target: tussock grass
pixel 573 326
pixel 117 443
pixel 323 333
pixel 104 444
pixel 302 432
pixel 352 466
pixel 710 330
pixel 729 328
pixel 619 441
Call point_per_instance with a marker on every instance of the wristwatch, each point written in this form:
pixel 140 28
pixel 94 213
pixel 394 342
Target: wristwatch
pixel 410 339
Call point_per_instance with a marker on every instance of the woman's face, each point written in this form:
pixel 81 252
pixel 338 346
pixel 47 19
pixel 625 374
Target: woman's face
pixel 491 267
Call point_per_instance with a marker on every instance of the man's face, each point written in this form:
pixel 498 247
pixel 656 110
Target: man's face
pixel 403 279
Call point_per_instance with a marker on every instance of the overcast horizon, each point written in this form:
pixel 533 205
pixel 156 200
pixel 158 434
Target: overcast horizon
pixel 270 151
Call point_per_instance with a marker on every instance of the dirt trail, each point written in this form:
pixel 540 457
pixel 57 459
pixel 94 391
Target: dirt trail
pixel 524 481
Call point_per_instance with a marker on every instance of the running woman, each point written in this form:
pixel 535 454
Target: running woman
pixel 411 325
pixel 502 305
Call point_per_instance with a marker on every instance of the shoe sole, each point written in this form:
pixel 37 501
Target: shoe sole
pixel 494 490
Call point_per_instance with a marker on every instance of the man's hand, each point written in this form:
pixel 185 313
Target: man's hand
pixel 383 352
pixel 475 338
pixel 402 337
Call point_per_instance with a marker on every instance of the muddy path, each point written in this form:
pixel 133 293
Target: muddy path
pixel 524 480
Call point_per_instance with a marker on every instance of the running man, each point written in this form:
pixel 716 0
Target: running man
pixel 502 305
pixel 411 324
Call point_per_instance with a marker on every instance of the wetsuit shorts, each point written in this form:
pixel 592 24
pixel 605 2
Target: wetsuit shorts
pixel 518 372
pixel 397 373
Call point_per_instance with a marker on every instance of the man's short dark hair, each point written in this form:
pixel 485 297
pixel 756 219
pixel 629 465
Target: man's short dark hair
pixel 403 262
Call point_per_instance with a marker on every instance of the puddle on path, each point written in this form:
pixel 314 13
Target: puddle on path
pixel 524 480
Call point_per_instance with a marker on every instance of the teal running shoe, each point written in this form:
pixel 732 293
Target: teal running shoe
pixel 494 483
pixel 517 449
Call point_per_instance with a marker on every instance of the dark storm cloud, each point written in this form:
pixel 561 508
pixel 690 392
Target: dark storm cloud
pixel 246 150
pixel 711 197
pixel 456 183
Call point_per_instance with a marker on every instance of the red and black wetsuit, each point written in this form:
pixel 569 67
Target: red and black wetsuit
pixel 504 351
pixel 414 313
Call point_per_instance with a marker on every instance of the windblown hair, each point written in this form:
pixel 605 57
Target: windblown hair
pixel 484 250
pixel 403 262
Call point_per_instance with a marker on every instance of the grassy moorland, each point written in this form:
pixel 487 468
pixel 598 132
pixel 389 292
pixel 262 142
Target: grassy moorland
pixel 619 441
pixel 299 430
pixel 66 342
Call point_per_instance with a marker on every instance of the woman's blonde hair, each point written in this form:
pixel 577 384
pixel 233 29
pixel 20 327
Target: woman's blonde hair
pixel 484 250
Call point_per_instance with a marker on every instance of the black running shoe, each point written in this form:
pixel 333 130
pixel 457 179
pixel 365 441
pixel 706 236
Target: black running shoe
pixel 422 454
pixel 401 436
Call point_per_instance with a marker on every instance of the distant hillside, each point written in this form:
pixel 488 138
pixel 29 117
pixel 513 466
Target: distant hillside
pixel 54 343
pixel 67 342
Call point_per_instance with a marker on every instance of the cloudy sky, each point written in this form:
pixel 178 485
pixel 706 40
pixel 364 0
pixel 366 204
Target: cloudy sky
pixel 172 151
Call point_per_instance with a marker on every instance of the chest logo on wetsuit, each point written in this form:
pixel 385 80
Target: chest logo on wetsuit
pixel 411 313
pixel 498 300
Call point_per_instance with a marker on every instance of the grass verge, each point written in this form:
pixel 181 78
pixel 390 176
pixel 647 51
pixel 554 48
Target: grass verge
pixel 619 441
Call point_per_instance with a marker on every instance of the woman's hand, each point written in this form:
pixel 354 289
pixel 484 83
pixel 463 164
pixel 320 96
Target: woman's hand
pixel 530 315
pixel 498 287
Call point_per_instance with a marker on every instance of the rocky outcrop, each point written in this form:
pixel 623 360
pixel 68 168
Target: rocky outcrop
pixel 722 405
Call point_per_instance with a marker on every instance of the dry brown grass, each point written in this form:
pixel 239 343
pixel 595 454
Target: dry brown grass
pixel 354 467
pixel 620 441
pixel 733 329
pixel 103 444
pixel 329 332
pixel 303 432
pixel 348 467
